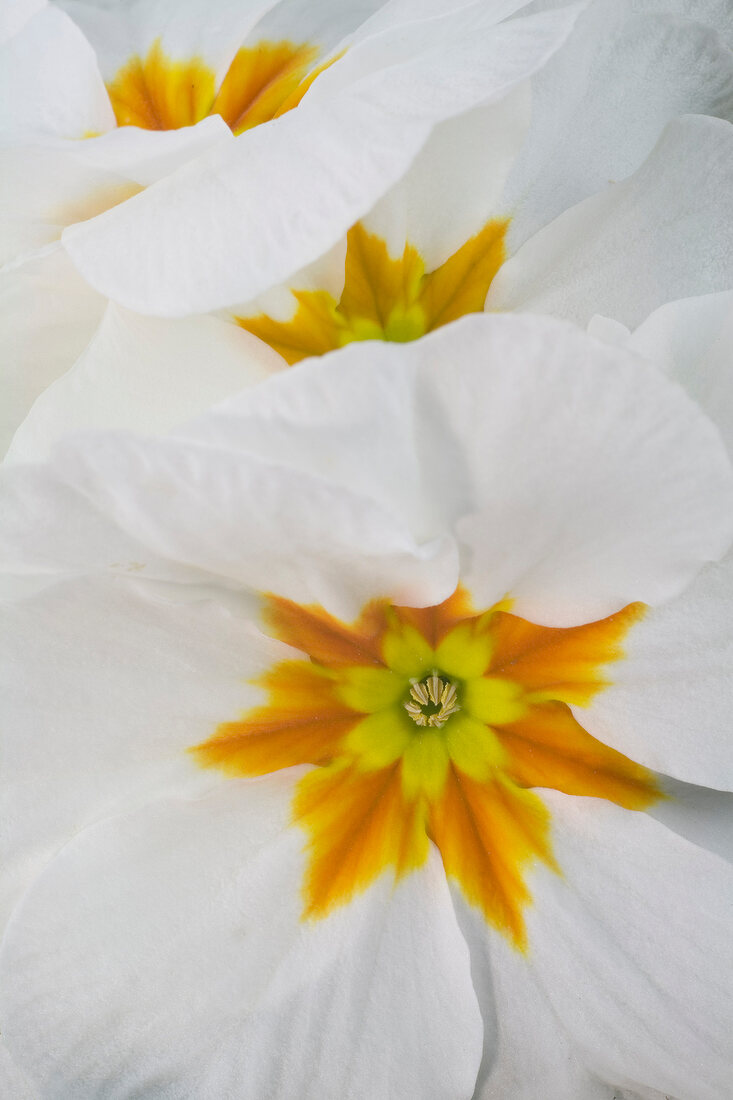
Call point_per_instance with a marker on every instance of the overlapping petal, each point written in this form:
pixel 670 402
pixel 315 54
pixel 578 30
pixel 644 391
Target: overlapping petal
pixel 690 339
pixel 447 427
pixel 51 84
pixel 308 1008
pixel 579 264
pixel 371 130
pixel 631 964
pixel 101 756
pixel 527 1043
pixel 601 103
pixel 48 314
pixel 140 372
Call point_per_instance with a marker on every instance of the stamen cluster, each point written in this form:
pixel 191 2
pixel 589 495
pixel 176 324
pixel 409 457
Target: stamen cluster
pixel 432 701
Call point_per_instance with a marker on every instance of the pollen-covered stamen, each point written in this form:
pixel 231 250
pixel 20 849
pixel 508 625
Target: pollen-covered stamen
pixel 432 701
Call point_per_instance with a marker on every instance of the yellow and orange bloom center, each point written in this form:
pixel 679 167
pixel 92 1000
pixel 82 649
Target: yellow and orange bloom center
pixel 386 298
pixel 262 82
pixel 431 724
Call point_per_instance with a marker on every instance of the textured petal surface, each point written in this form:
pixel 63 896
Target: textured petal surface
pixel 602 100
pixel 239 996
pixel 13 1081
pixel 632 948
pixel 664 233
pixel 531 1045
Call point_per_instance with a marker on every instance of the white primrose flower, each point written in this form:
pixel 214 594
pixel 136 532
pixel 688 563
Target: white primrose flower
pixel 204 94
pixel 342 738
pixel 507 206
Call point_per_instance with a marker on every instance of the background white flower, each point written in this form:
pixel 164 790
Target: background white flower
pixel 396 69
pixel 476 212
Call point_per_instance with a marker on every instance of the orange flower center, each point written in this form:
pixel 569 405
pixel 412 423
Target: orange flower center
pixel 262 82
pixel 431 724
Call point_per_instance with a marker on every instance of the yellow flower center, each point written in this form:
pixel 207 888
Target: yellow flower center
pixel 262 82
pixel 386 298
pixel 431 724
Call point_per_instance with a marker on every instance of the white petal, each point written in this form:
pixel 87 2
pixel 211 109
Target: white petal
pixel 636 524
pixel 186 916
pixel 403 12
pixel 13 1083
pixel 49 81
pixel 602 100
pixel 51 530
pixel 456 182
pixel 105 689
pixel 146 374
pixel 48 186
pixel 307 418
pixel 448 61
pixel 16 13
pixel 330 24
pixel 147 155
pixel 47 316
pixel 632 946
pixel 665 233
pixel 247 227
pixel 465 430
pixel 670 700
pixel 533 1053
pixel 48 313
pixel 699 814
pixel 257 523
pixel 186 28
pixel 45 189
pixel 691 339
pixel 325 274
pixel 577 479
